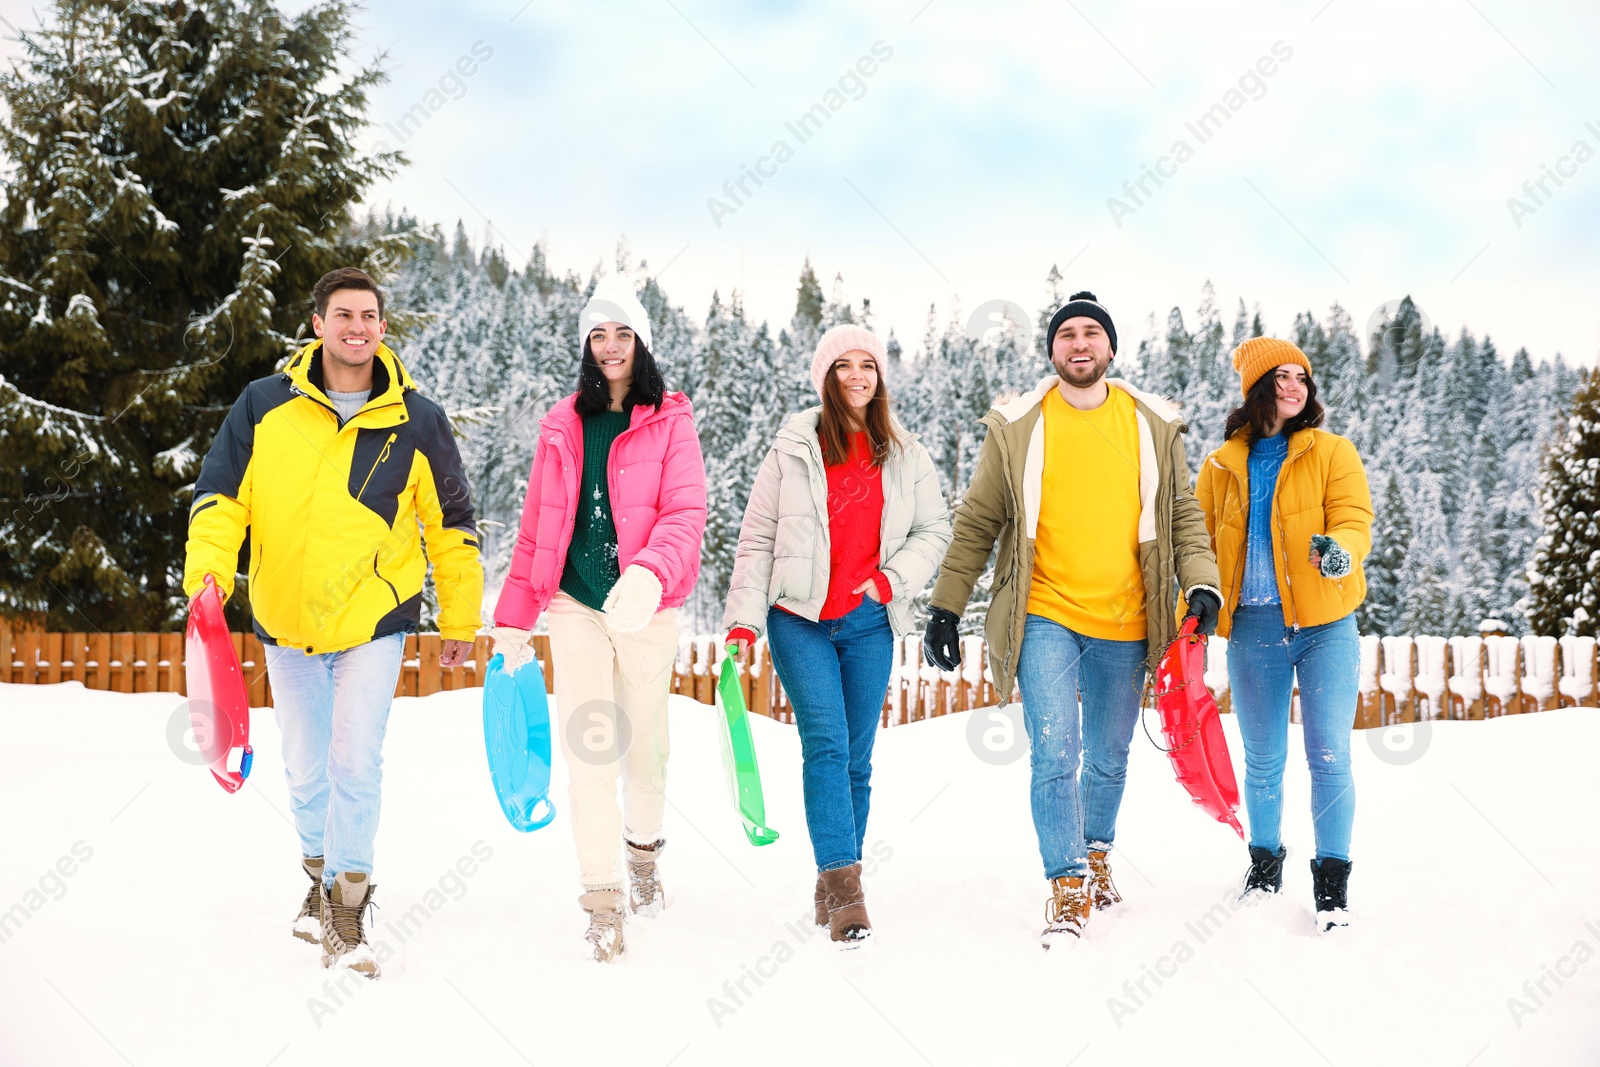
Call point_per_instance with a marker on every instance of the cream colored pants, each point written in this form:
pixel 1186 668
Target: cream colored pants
pixel 611 701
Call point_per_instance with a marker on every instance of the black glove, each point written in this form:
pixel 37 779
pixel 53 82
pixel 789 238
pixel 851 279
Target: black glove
pixel 941 645
pixel 1204 605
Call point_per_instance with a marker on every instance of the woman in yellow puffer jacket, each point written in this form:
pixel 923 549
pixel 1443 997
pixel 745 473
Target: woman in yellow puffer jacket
pixel 1290 519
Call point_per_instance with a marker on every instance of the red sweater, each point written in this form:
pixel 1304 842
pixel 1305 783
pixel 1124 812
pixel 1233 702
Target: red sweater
pixel 855 520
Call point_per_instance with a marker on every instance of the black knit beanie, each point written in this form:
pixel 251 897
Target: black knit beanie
pixel 1084 304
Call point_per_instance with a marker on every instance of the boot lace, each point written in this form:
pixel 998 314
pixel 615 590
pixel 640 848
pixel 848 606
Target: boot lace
pixel 1066 904
pixel 1100 876
pixel 347 922
pixel 605 927
pixel 646 885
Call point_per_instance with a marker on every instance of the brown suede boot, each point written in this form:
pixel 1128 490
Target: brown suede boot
pixel 848 924
pixel 604 905
pixel 820 900
pixel 308 924
pixel 646 898
pixel 344 935
pixel 1104 889
pixel 1066 913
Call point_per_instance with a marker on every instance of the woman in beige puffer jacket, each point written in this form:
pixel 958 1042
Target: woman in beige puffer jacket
pixel 846 524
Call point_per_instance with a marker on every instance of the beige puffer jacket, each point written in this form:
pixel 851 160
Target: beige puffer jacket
pixel 783 555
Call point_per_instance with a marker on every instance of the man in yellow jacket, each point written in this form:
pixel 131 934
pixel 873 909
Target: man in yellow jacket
pixel 331 467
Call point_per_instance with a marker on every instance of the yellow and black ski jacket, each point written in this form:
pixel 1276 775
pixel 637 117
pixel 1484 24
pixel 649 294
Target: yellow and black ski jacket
pixel 334 511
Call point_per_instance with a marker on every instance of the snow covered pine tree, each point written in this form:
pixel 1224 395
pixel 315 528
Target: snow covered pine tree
pixel 180 175
pixel 1564 578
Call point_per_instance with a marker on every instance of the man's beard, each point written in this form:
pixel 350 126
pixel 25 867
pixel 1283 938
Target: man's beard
pixel 1097 371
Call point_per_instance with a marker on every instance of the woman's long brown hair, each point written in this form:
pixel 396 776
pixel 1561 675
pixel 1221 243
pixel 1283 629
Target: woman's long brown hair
pixel 838 422
pixel 1260 407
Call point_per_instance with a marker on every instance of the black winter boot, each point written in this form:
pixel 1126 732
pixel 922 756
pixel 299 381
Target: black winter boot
pixel 1330 878
pixel 1266 871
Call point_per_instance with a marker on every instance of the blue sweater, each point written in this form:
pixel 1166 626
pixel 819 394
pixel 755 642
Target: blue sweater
pixel 1260 571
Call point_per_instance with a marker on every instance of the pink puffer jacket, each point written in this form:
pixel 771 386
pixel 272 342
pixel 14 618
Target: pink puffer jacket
pixel 657 482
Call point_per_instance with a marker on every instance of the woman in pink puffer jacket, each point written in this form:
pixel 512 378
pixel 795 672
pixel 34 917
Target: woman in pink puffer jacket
pixel 609 548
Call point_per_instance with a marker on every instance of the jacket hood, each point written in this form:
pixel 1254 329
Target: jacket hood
pixel 1234 453
pixel 1014 409
pixel 801 427
pixel 673 405
pixel 390 379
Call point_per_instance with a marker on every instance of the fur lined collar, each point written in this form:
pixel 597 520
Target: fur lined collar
pixel 1014 409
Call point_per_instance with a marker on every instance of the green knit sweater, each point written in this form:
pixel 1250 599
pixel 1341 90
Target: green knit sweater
pixel 591 568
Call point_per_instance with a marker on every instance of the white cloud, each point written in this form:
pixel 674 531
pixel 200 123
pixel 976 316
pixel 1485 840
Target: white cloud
pixel 989 144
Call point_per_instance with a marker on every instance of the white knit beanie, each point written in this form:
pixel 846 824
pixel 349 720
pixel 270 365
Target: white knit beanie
pixel 614 301
pixel 839 340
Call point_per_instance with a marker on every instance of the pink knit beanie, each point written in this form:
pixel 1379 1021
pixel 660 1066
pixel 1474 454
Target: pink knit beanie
pixel 839 340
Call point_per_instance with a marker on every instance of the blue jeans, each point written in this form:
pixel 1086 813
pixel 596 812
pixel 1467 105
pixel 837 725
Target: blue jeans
pixel 836 674
pixel 1264 656
pixel 1073 815
pixel 332 710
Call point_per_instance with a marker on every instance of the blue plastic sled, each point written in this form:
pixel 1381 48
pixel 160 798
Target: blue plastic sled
pixel 516 733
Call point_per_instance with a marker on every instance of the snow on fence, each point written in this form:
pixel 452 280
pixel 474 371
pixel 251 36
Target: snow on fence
pixel 1402 678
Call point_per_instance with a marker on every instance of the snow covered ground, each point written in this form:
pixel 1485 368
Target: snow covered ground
pixel 154 912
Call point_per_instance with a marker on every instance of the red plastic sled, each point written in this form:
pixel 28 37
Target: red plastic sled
pixel 219 706
pixel 1192 726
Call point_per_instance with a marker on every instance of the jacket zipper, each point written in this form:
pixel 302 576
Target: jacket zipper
pixel 297 391
pixel 381 457
pixel 1238 577
pixel 1238 571
pixel 1288 582
pixel 817 481
pixel 557 441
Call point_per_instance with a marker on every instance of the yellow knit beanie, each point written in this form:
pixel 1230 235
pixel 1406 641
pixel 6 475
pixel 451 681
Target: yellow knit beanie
pixel 1259 355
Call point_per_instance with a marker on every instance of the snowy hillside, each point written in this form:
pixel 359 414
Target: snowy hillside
pixel 148 912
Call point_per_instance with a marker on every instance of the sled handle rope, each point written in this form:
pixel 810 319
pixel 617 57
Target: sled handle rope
pixel 1150 689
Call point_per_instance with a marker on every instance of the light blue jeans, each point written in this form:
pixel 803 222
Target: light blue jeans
pixel 332 710
pixel 1072 815
pixel 1264 656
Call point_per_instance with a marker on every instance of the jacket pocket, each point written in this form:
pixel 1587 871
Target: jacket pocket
pixel 392 590
pixel 383 455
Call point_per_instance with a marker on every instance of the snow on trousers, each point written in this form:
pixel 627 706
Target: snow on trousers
pixel 611 695
pixel 333 709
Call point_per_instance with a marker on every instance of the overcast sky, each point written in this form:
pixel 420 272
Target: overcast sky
pixel 1374 158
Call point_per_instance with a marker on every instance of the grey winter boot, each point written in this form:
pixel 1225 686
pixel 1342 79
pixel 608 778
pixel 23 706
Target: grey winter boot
pixel 604 905
pixel 344 935
pixel 308 924
pixel 646 898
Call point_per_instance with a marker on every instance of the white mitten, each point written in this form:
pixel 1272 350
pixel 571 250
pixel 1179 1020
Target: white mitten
pixel 634 600
pixel 514 646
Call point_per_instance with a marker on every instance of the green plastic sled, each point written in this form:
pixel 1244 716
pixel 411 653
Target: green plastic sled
pixel 739 755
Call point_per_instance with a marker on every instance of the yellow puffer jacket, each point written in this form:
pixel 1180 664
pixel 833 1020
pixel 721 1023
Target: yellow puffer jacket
pixel 1322 489
pixel 333 511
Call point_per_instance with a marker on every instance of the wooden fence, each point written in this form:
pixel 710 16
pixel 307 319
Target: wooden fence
pixel 1403 679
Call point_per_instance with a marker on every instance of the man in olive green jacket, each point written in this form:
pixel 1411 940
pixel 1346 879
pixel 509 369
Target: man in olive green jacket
pixel 1095 470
